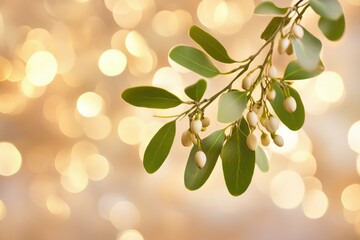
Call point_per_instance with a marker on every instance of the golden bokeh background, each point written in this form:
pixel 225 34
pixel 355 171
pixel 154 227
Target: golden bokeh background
pixel 71 149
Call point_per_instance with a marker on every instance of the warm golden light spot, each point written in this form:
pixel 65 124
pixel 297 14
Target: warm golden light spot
pixel 68 125
pixel 125 15
pixel 140 5
pixel 130 130
pixel 18 71
pixel 329 87
pixel 165 23
pixel 146 63
pixel 30 90
pixel 10 159
pixel 350 197
pixel 161 79
pixel 30 47
pixel 98 127
pixel 5 68
pixel 124 215
pixel 287 189
pixel 90 104
pixel 74 179
pixel 41 68
pixel 354 137
pixel 2 210
pixel 312 183
pixel 112 62
pixel 118 39
pixel 58 207
pixel 96 167
pixel 315 204
pixel 304 163
pixel 136 44
pixel 62 160
pixel 130 234
pixel 12 104
pixel 206 12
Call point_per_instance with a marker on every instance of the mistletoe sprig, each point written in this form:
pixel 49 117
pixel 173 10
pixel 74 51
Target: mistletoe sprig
pixel 238 147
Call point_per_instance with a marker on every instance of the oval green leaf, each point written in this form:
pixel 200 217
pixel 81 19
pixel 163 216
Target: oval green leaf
pixel 307 50
pixel 294 120
pixel 330 9
pixel 269 8
pixel 210 44
pixel 159 147
pixel 271 28
pixel 211 146
pixel 195 60
pixel 197 90
pixel 231 106
pixel 332 29
pixel 294 71
pixel 150 97
pixel 238 161
pixel 261 160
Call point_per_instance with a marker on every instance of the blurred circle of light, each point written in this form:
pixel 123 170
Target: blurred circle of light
pixel 2 210
pixel 125 15
pixel 165 23
pixel 10 159
pixel 145 63
pixel 96 167
pixel 74 180
pixel 350 197
pixel 147 134
pixel 5 68
pixel 312 183
pixel 161 79
pixel 12 104
pixel 98 127
pixel 210 12
pixel 58 207
pixel 90 104
pixel 130 130
pixel 130 234
pixel 30 90
pixel 135 44
pixel 18 71
pixel 354 137
pixel 68 125
pixel 112 62
pixel 329 87
pixel 304 162
pixel 315 204
pixel 287 189
pixel 41 68
pixel 124 215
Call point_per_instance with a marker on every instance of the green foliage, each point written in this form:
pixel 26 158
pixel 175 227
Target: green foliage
pixel 269 8
pixel 294 120
pixel 195 60
pixel 231 106
pixel 210 44
pixel 211 145
pixel 197 90
pixel 294 71
pixel 231 142
pixel 238 161
pixel 150 97
pixel 159 147
pixel 307 50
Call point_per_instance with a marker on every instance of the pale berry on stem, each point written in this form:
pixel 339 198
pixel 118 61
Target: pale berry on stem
pixel 272 124
pixel 265 139
pixel 284 44
pixel 247 82
pixel 200 159
pixel 251 142
pixel 252 118
pixel 196 126
pixel 271 95
pixel 290 104
pixel 298 31
pixel 205 122
pixel 186 139
pixel 272 72
pixel 278 140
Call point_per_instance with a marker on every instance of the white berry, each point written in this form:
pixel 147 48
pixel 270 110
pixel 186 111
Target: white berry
pixel 196 126
pixel 278 140
pixel 205 122
pixel 265 139
pixel 298 31
pixel 272 124
pixel 272 71
pixel 251 142
pixel 290 104
pixel 284 44
pixel 271 95
pixel 200 159
pixel 247 82
pixel 252 118
pixel 186 139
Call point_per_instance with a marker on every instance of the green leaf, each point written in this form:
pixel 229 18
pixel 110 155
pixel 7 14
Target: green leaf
pixel 294 71
pixel 307 50
pixel 211 146
pixel 330 9
pixel 231 106
pixel 261 160
pixel 332 29
pixel 210 44
pixel 294 120
pixel 271 28
pixel 195 60
pixel 159 147
pixel 150 97
pixel 197 90
pixel 269 8
pixel 238 161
